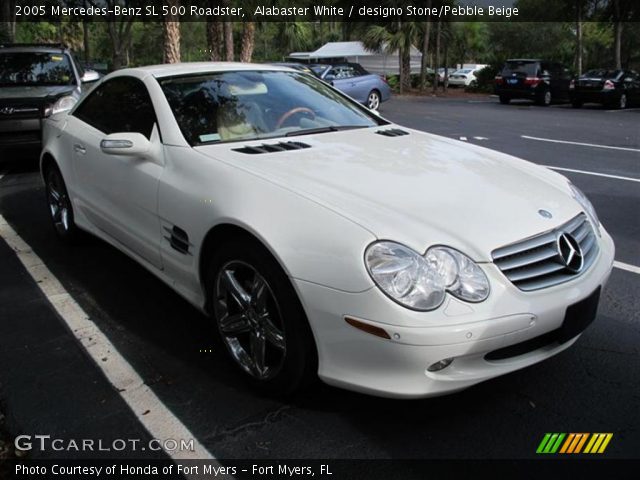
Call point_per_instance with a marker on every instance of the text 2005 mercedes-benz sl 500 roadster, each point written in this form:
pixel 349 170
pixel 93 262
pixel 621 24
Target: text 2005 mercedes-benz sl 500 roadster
pixel 322 239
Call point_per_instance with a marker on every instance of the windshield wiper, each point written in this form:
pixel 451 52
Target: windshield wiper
pixel 331 128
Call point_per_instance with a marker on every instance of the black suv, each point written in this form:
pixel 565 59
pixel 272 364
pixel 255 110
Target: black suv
pixel 537 80
pixel 35 82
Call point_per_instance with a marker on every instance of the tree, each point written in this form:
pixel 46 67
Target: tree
pixel 294 35
pixel 426 26
pixel 228 36
pixel 8 21
pixel 437 56
pixel 394 36
pixel 215 39
pixel 248 41
pixel 171 33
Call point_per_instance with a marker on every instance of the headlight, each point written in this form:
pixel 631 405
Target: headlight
pixel 586 205
pixel 421 282
pixel 61 105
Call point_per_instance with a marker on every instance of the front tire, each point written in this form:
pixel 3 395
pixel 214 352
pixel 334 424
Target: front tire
pixel 260 318
pixel 373 100
pixel 60 207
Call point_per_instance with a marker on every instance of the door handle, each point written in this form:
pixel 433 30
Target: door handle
pixel 79 148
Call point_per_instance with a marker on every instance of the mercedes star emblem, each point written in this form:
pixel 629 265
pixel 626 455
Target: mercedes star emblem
pixel 570 252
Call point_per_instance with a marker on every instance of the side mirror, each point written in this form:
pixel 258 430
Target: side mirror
pixel 329 78
pixel 90 76
pixel 126 143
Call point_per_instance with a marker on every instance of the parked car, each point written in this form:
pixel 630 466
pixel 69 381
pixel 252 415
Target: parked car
pixel 538 80
pixel 367 88
pixel 322 239
pixel 614 88
pixel 463 77
pixel 36 81
pixel 441 73
pixel 296 66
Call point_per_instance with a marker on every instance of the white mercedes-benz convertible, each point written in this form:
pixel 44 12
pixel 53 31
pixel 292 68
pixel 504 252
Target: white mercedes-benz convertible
pixel 322 239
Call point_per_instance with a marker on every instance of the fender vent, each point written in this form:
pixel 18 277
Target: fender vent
pixel 178 239
pixel 272 147
pixel 392 132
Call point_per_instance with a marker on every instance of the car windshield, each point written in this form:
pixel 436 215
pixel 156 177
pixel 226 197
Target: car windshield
pixel 319 69
pixel 250 105
pixel 602 73
pixel 35 68
pixel 464 70
pixel 515 66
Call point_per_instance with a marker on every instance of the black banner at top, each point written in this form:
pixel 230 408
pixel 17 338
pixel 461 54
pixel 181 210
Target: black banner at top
pixel 328 10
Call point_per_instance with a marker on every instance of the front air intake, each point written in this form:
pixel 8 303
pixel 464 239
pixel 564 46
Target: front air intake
pixel 271 147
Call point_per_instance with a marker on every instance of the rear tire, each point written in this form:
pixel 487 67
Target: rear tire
pixel 544 99
pixel 60 207
pixel 622 102
pixel 260 318
pixel 504 100
pixel 373 100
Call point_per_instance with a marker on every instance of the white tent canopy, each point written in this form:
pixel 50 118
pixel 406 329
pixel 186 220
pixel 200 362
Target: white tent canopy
pixel 376 62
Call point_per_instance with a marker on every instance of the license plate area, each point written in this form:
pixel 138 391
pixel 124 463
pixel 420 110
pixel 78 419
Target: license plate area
pixel 579 316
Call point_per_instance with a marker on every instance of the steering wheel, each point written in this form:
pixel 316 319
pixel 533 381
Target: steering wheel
pixel 286 115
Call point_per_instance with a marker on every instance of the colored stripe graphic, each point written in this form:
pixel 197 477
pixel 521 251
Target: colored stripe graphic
pixel 567 442
pixel 581 443
pixel 573 443
pixel 607 439
pixel 550 443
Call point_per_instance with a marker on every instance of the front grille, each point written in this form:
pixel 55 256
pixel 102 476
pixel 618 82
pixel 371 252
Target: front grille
pixel 535 263
pixel 18 138
pixel 19 112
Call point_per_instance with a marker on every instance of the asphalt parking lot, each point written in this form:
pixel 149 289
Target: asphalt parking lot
pixel 50 384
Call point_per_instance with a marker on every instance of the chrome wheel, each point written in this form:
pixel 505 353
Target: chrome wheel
pixel 373 102
pixel 547 97
pixel 623 102
pixel 59 204
pixel 249 320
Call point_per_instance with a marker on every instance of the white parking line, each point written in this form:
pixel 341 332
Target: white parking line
pixel 626 149
pixel 147 407
pixel 606 175
pixel 627 267
pixel 621 111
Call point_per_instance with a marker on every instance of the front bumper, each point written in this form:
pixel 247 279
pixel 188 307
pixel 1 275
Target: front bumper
pixel 20 133
pixel 397 367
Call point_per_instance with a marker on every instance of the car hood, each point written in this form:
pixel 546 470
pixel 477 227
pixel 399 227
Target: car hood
pixel 418 189
pixel 35 92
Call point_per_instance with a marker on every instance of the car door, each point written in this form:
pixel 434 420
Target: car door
pixel 363 83
pixel 632 84
pixel 342 78
pixel 118 193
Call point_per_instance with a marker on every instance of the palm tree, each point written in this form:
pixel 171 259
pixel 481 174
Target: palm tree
pixel 248 41
pixel 394 36
pixel 294 35
pixel 171 31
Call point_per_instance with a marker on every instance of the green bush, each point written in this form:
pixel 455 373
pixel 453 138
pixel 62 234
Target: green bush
pixel 485 79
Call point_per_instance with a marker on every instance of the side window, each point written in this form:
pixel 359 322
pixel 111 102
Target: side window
pixel 119 105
